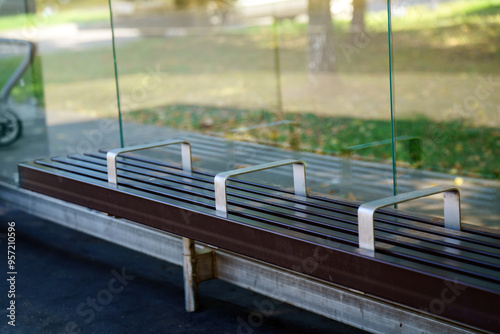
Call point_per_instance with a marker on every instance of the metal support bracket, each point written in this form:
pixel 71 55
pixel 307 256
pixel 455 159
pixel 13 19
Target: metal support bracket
pixel 113 154
pixel 191 295
pixel 205 264
pixel 299 180
pixel 199 266
pixel 367 210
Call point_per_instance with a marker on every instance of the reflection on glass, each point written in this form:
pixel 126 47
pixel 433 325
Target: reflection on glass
pixel 22 117
pixel 64 99
pixel 447 77
pixel 249 82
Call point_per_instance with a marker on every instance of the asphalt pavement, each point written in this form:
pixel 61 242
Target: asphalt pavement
pixel 69 282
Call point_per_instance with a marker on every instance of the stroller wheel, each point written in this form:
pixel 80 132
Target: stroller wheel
pixel 10 127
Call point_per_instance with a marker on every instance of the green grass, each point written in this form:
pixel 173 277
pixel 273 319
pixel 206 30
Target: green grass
pixel 32 21
pixel 454 147
pixel 427 44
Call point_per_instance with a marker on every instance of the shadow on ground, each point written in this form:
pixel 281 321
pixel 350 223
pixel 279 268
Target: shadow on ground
pixel 69 282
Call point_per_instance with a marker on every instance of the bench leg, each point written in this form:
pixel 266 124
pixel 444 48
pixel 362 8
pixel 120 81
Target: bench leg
pixel 190 275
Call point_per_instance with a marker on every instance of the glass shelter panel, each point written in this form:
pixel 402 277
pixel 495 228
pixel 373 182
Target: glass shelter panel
pixel 57 80
pixel 447 80
pixel 248 82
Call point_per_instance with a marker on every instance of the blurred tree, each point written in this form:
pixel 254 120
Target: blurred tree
pixel 215 10
pixel 320 48
pixel 358 16
pixel 203 3
pixel 16 7
pixel 190 3
pixel 219 9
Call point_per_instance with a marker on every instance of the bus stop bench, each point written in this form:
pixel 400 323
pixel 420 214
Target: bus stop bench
pixel 440 268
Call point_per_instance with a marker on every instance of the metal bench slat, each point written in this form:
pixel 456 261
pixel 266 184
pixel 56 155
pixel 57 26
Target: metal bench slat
pixel 495 242
pixel 426 258
pixel 312 212
pixel 345 265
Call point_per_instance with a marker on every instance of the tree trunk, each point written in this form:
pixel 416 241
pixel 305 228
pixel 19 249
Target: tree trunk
pixel 320 48
pixel 358 16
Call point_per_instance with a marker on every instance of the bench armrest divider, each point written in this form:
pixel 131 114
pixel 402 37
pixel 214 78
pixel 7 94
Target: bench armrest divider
pixel 299 180
pixel 113 154
pixel 367 210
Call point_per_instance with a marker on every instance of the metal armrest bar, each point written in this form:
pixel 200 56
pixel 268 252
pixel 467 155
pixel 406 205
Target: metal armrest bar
pixel 113 154
pixel 299 180
pixel 367 210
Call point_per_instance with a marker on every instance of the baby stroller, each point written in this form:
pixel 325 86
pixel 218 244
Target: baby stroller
pixel 11 127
